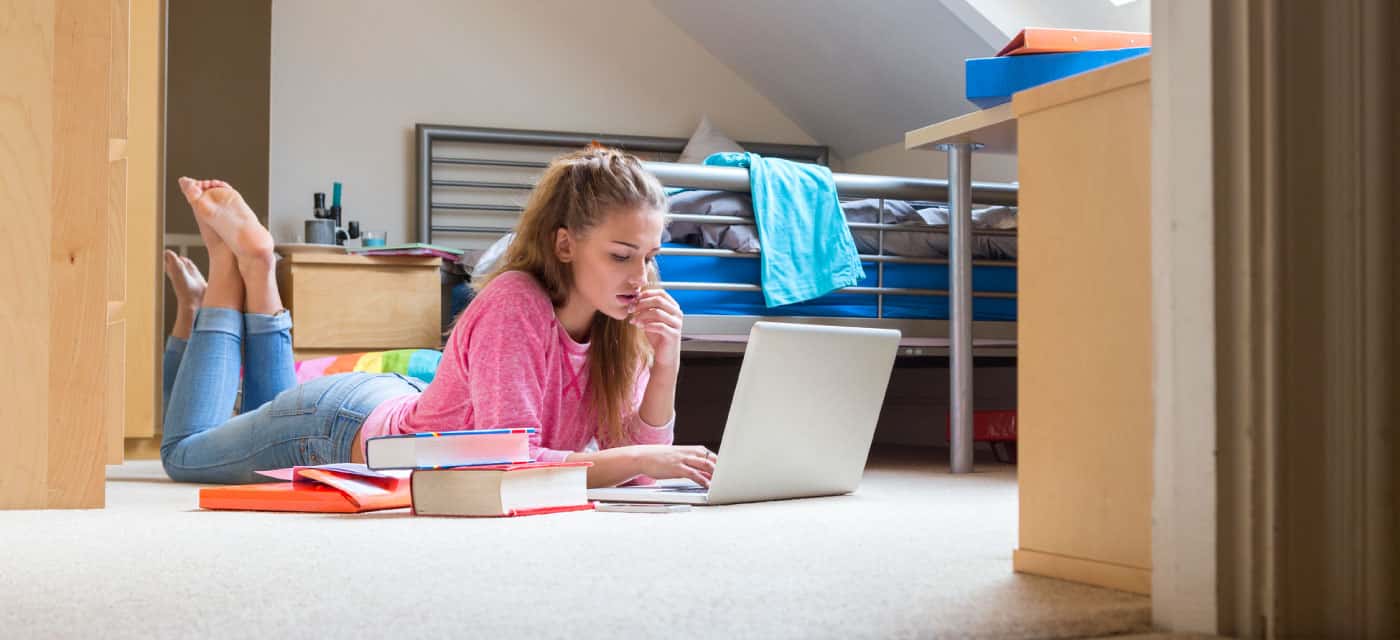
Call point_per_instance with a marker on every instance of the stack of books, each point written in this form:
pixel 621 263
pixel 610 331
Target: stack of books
pixel 480 473
pixel 484 473
pixel 1040 55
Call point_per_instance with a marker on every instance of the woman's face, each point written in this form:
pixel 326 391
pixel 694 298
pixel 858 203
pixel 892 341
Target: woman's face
pixel 610 261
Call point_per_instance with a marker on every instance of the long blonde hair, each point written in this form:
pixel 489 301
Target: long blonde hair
pixel 576 191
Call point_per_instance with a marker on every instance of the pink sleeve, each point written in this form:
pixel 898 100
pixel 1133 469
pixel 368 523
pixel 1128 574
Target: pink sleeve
pixel 506 353
pixel 637 430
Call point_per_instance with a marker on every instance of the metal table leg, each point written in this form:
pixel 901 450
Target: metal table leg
pixel 960 301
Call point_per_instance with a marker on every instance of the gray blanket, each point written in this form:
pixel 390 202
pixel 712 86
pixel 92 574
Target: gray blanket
pixel 744 238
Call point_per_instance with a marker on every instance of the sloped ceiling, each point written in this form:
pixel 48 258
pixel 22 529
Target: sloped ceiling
pixel 857 75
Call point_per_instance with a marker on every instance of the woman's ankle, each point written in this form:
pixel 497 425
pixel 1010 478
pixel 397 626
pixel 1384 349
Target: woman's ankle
pixel 184 322
pixel 257 265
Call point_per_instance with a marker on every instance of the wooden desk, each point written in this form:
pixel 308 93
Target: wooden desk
pixel 991 130
pixel 1084 319
pixel 349 303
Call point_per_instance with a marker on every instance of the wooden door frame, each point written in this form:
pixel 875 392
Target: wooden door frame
pixel 1275 300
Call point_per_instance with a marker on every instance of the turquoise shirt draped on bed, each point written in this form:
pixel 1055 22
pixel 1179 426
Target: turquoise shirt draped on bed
pixel 807 249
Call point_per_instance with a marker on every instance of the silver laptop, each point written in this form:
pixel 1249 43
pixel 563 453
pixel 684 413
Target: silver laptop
pixel 802 419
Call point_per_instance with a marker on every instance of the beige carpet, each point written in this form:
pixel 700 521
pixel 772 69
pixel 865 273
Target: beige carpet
pixel 916 553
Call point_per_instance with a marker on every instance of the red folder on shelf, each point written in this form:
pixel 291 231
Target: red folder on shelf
pixel 339 488
pixel 1046 40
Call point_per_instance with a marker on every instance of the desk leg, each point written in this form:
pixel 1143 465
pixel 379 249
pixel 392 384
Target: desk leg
pixel 960 302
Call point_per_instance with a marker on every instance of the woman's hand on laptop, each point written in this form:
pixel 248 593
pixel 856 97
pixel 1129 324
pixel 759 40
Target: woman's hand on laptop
pixel 615 466
pixel 661 461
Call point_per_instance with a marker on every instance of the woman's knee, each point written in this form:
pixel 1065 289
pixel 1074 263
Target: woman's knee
pixel 174 471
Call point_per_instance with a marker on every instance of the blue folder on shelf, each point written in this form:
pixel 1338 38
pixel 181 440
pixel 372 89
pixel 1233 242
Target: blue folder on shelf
pixel 991 81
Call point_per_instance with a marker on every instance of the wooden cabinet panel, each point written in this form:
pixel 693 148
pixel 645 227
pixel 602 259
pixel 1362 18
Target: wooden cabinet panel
pixel 114 405
pixel 343 303
pixel 54 147
pixel 144 279
pixel 1085 330
pixel 26 171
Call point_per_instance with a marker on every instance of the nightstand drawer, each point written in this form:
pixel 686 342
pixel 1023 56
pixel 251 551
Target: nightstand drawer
pixel 345 302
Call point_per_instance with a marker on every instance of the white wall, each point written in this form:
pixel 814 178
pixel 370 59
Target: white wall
pixel 350 78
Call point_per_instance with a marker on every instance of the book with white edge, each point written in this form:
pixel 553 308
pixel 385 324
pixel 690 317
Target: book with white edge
pixel 500 491
pixel 439 449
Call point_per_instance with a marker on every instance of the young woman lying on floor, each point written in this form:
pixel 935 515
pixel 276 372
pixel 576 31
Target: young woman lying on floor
pixel 568 335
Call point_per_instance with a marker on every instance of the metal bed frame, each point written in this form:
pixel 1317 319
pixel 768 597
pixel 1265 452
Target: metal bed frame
pixel 433 143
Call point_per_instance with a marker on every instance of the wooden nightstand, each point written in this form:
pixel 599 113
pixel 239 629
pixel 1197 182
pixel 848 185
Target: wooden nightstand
pixel 348 303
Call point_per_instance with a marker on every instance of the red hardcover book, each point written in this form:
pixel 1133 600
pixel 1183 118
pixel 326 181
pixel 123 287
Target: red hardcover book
pixel 339 488
pixel 501 490
pixel 1047 40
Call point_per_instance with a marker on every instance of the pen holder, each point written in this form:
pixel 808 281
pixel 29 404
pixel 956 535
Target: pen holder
pixel 320 231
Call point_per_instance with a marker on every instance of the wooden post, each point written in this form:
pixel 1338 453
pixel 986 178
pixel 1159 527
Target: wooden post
pixel 114 406
pixel 144 279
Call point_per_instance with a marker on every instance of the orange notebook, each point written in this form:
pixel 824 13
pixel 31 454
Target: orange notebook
pixel 340 488
pixel 1047 40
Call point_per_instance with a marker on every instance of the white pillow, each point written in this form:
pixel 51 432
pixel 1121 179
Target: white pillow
pixel 491 256
pixel 706 140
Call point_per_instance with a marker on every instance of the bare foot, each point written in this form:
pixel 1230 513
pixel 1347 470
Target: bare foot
pixel 218 207
pixel 219 253
pixel 186 279
pixel 189 286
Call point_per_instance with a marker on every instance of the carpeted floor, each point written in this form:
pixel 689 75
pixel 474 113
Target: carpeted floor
pixel 915 553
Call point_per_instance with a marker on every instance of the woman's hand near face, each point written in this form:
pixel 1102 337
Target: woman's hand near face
pixel 658 315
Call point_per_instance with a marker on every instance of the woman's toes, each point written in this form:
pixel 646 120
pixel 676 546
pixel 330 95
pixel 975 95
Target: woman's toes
pixel 191 188
pixel 193 272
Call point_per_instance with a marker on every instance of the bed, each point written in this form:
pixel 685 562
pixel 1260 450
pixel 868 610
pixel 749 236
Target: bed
pixel 471 184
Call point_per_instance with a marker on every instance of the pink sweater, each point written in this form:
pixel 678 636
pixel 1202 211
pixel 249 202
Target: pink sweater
pixel 509 363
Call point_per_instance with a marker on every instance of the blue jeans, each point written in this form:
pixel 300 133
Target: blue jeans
pixel 283 424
